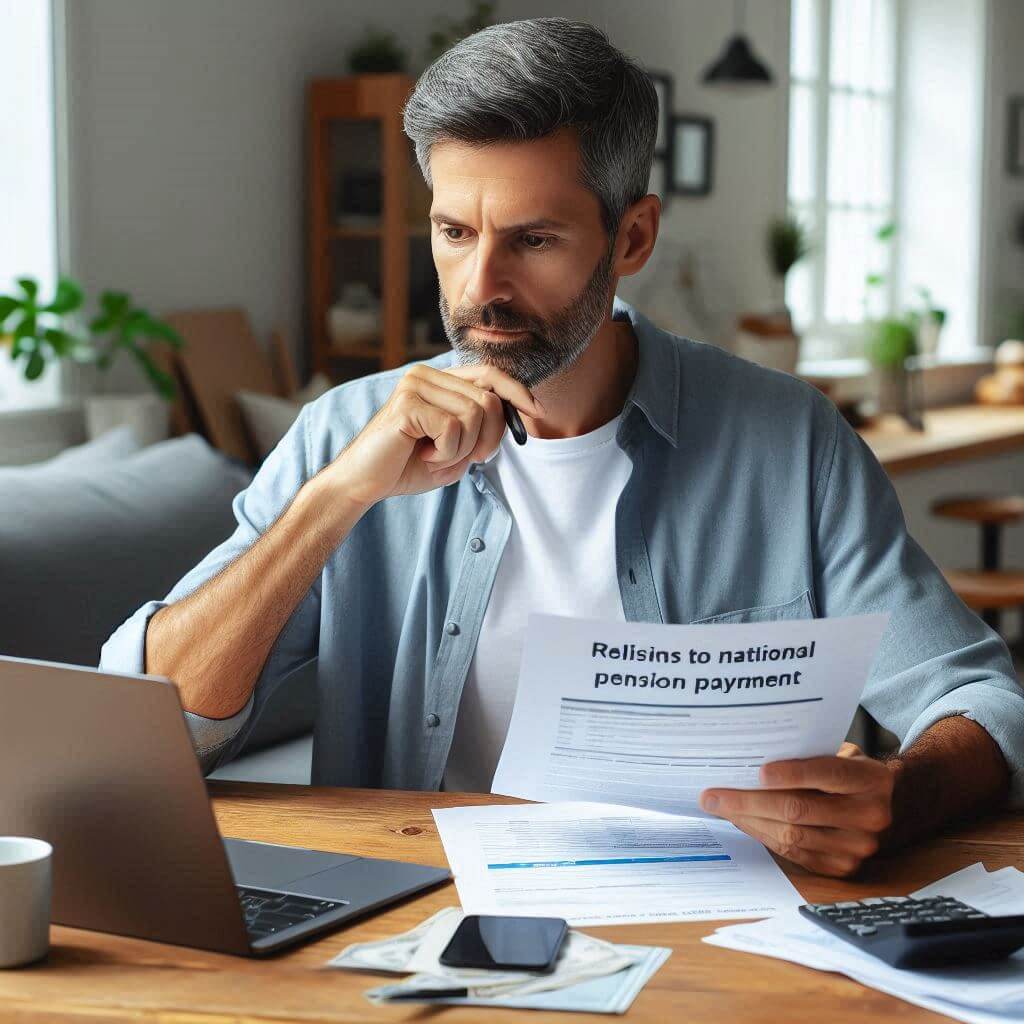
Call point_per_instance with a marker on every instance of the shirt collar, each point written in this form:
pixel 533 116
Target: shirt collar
pixel 655 390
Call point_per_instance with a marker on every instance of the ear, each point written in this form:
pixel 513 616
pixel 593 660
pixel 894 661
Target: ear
pixel 637 234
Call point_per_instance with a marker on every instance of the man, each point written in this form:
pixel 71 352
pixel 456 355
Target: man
pixel 401 537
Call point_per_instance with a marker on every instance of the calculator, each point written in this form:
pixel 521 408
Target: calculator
pixel 928 932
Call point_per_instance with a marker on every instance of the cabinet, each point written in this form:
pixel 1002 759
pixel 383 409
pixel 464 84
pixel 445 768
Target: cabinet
pixel 368 225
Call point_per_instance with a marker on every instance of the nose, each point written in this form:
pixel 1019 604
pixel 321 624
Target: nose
pixel 487 282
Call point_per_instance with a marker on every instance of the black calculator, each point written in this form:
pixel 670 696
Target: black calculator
pixel 932 931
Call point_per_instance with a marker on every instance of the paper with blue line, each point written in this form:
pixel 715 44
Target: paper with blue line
pixel 597 864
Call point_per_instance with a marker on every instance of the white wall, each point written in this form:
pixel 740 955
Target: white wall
pixel 1002 265
pixel 187 142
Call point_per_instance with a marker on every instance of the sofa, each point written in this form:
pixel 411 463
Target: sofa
pixel 88 536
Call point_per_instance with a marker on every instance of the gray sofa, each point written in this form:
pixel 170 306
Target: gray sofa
pixel 89 536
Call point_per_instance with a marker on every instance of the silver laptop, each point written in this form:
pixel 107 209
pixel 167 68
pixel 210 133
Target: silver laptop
pixel 102 767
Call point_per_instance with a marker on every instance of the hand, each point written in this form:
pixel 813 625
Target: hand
pixel 434 424
pixel 827 814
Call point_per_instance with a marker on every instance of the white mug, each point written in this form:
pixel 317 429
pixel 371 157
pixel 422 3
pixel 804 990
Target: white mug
pixel 25 875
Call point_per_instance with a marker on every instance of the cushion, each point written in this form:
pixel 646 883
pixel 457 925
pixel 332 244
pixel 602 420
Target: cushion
pixel 83 546
pixel 114 444
pixel 267 417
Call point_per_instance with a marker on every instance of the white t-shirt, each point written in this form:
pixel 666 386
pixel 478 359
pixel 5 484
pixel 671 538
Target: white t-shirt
pixel 559 559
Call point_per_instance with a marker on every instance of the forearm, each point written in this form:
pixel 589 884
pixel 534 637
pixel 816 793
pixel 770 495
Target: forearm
pixel 214 643
pixel 955 771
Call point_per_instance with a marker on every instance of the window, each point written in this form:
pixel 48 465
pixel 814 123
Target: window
pixel 28 208
pixel 842 167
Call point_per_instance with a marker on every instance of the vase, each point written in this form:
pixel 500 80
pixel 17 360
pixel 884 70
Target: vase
pixel 894 388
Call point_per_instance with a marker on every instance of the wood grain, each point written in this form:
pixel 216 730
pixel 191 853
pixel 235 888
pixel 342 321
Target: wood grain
pixel 951 435
pixel 108 978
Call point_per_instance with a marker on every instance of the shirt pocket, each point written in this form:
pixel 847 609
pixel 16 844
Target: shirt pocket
pixel 800 607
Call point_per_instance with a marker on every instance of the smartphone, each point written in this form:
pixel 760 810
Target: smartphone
pixel 506 943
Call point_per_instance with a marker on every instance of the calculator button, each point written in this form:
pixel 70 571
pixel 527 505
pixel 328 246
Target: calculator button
pixel 848 905
pixel 895 899
pixel 873 901
pixel 862 929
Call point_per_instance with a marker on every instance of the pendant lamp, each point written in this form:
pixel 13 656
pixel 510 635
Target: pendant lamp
pixel 737 65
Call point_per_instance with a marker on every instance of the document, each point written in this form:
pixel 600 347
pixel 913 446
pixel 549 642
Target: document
pixel 648 714
pixel 597 864
pixel 975 993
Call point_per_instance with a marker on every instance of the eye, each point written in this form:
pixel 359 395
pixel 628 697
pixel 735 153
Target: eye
pixel 530 242
pixel 444 231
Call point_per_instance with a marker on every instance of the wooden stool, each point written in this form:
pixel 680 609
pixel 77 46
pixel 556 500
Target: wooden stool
pixel 990 589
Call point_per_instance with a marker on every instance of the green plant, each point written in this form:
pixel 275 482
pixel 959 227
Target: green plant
pixel 891 341
pixel 378 52
pixel 788 243
pixel 451 30
pixel 41 333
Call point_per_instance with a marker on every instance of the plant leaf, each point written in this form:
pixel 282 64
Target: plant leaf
pixel 30 287
pixel 886 231
pixel 27 327
pixel 59 340
pixel 68 297
pixel 8 305
pixel 114 304
pixel 162 382
pixel 35 365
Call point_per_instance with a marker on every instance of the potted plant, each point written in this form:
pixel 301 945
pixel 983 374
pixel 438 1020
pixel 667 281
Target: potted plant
pixel 930 321
pixel 788 243
pixel 42 333
pixel 769 338
pixel 377 53
pixel 891 342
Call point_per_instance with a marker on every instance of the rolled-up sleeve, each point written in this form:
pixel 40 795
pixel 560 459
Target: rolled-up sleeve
pixel 256 508
pixel 937 658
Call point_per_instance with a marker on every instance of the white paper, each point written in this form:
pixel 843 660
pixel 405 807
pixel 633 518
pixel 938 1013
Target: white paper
pixel 979 992
pixel 640 731
pixel 597 864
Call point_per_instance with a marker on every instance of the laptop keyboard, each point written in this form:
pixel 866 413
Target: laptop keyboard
pixel 267 912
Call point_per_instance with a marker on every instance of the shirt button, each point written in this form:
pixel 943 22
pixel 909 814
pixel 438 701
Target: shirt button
pixel 432 721
pixel 452 628
pixel 476 544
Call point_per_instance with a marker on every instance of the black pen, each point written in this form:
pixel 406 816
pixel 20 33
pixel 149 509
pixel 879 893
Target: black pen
pixel 515 424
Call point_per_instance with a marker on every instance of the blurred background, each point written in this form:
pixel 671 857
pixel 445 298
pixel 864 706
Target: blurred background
pixel 209 215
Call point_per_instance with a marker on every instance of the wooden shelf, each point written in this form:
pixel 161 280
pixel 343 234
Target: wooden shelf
pixel 336 108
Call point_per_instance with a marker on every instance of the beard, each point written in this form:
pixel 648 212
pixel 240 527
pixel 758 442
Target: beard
pixel 551 345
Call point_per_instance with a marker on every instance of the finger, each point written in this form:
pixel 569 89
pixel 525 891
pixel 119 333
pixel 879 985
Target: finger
pixel 800 807
pixel 418 419
pixel 469 412
pixel 850 750
pixel 836 865
pixel 786 838
pixel 486 376
pixel 831 774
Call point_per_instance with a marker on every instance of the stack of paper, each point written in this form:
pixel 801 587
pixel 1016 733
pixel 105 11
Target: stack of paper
pixel 590 974
pixel 980 994
pixel 596 864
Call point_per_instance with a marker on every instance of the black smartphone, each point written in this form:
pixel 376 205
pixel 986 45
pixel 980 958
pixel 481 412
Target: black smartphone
pixel 506 943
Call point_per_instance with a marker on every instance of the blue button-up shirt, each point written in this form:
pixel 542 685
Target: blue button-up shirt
pixel 750 499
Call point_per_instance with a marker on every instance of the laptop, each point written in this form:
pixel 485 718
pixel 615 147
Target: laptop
pixel 101 766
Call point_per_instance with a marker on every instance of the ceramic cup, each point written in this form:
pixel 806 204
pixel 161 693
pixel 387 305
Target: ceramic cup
pixel 25 874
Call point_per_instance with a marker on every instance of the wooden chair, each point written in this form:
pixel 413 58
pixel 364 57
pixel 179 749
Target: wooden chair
pixel 991 588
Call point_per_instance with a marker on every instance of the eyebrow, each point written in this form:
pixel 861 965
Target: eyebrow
pixel 533 225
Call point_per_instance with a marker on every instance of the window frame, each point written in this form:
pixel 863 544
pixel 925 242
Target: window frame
pixel 842 339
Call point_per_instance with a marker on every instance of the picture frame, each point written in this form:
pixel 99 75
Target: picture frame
pixel 663 86
pixel 660 182
pixel 691 157
pixel 1015 136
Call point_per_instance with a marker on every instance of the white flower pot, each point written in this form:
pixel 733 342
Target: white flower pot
pixel 147 414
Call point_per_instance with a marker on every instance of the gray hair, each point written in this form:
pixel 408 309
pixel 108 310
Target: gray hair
pixel 523 80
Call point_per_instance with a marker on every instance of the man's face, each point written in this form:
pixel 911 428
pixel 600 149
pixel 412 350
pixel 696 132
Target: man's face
pixel 522 257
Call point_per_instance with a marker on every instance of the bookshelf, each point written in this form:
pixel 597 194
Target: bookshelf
pixel 367 222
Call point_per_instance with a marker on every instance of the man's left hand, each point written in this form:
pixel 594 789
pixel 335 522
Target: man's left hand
pixel 827 814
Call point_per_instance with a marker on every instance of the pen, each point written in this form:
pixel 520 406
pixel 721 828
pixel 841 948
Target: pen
pixel 428 993
pixel 515 424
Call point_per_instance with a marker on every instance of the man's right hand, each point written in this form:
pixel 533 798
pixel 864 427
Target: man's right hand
pixel 434 424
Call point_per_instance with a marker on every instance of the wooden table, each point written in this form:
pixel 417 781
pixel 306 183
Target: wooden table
pixel 107 978
pixel 951 434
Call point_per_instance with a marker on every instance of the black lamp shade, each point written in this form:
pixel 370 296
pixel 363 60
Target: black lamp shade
pixel 737 65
